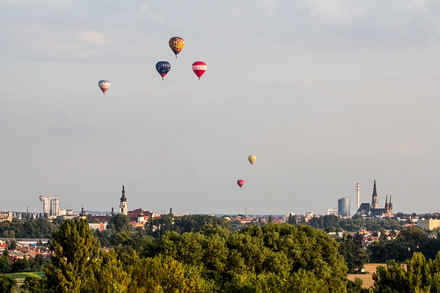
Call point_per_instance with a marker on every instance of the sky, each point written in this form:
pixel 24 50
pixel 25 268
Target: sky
pixel 325 94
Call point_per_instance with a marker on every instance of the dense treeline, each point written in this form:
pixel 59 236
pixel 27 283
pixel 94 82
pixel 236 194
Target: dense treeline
pixel 20 265
pixel 39 228
pixel 409 241
pixel 353 251
pixel 333 223
pixel 273 258
pixel 201 254
pixel 417 275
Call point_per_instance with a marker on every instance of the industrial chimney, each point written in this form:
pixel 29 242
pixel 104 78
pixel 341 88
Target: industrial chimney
pixel 358 200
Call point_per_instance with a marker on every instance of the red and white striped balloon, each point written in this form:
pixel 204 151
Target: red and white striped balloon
pixel 104 85
pixel 199 68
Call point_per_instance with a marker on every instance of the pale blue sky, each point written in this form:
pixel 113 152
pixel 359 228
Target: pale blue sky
pixel 325 93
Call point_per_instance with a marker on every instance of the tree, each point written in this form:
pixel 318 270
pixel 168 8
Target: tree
pixel 34 285
pixel 354 254
pixel 265 252
pixel 21 265
pixel 164 274
pixel 75 254
pixel 356 286
pixel 120 223
pixel 7 283
pixel 157 227
pixel 417 275
pixel 109 275
pixel 5 262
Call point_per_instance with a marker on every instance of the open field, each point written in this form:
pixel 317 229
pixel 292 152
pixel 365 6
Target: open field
pixel 367 277
pixel 19 277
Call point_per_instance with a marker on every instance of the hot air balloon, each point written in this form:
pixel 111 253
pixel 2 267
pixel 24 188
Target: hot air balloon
pixel 163 67
pixel 41 197
pixel 104 85
pixel 176 44
pixel 240 182
pixel 252 159
pixel 199 68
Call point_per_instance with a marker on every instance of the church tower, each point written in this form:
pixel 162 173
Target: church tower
pixel 123 205
pixel 390 208
pixel 374 200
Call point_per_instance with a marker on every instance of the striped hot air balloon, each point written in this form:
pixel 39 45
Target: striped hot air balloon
pixel 104 85
pixel 199 67
pixel 252 159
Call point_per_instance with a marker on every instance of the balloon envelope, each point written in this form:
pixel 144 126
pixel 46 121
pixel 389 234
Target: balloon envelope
pixel 199 67
pixel 163 67
pixel 240 182
pixel 176 44
pixel 252 159
pixel 104 85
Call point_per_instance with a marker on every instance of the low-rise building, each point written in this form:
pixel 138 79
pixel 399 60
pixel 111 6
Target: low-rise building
pixel 428 224
pixel 5 216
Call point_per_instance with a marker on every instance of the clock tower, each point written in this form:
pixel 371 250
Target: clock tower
pixel 123 205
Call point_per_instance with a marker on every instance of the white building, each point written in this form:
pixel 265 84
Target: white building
pixel 332 211
pixel 50 206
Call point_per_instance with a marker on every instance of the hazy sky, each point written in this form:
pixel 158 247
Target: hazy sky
pixel 325 93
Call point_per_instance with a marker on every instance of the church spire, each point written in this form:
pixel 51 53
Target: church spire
pixel 123 205
pixel 374 200
pixel 123 198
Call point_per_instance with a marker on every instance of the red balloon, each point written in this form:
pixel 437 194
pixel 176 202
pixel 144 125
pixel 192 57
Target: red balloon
pixel 199 68
pixel 240 182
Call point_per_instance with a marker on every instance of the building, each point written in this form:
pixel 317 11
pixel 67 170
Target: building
pixel 5 216
pixel 332 211
pixel 50 206
pixel 366 209
pixel 344 207
pixel 428 224
pixel 140 215
pixel 123 205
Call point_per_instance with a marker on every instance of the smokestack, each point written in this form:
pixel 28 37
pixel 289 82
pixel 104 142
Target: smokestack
pixel 357 197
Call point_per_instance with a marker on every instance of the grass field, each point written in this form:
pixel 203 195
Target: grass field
pixel 367 278
pixel 19 277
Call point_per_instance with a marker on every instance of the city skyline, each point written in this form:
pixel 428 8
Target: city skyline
pixel 324 94
pixel 51 205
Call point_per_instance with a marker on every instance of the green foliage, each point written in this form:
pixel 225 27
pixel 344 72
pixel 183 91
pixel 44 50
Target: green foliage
pixel 355 255
pixel 157 227
pixel 272 249
pixel 34 284
pixel 21 265
pixel 5 263
pixel 109 275
pixel 300 281
pixel 7 283
pixel 409 241
pixel 164 274
pixel 354 224
pixel 75 253
pixel 120 223
pixel 39 228
pixel 417 275
pixel 356 287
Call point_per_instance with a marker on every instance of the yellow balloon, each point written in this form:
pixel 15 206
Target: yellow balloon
pixel 252 159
